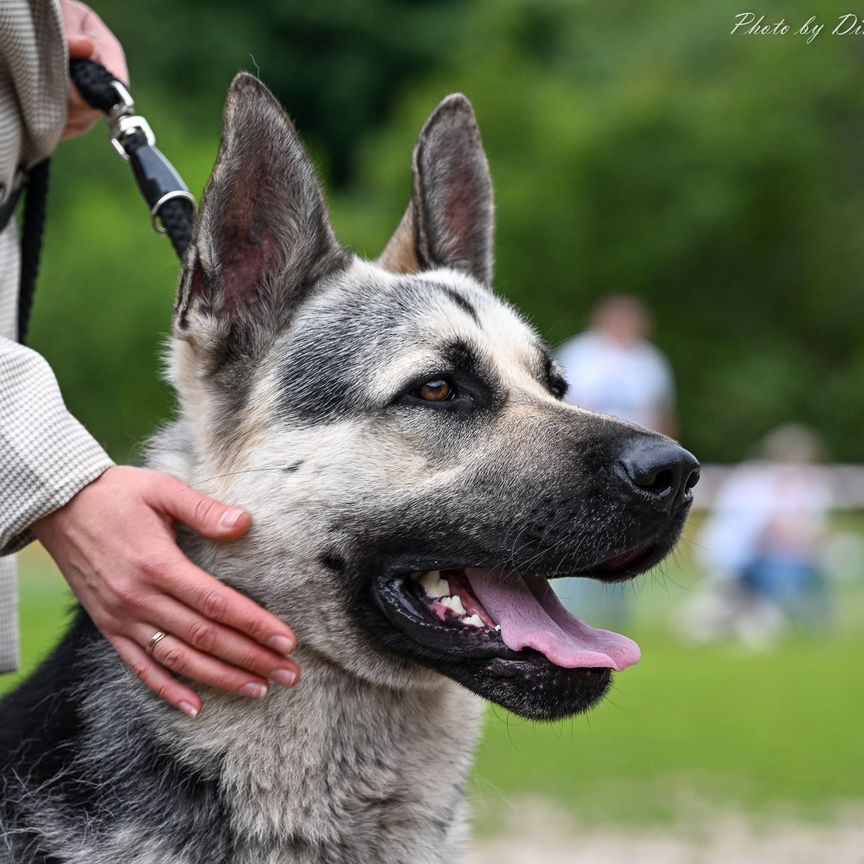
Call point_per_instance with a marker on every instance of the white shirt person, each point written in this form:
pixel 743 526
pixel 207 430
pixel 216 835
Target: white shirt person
pixel 613 368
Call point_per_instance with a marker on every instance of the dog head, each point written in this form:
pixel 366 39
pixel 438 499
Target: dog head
pixel 398 431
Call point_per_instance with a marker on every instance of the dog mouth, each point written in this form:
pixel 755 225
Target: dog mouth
pixel 468 612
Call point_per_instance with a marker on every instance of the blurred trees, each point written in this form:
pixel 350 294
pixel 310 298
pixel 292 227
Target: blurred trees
pixel 636 146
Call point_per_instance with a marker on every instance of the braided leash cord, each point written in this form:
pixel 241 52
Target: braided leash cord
pixel 94 82
pixel 96 85
pixel 177 214
pixel 31 242
pixel 178 217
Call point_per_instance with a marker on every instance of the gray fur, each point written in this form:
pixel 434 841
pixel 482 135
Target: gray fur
pixel 292 362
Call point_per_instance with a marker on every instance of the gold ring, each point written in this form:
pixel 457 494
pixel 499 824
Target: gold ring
pixel 157 637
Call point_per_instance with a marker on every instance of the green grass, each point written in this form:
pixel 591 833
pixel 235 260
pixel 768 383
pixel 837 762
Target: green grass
pixel 45 603
pixel 693 728
pixel 685 730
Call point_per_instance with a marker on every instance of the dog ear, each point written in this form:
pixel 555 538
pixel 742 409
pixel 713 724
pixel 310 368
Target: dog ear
pixel 449 222
pixel 263 234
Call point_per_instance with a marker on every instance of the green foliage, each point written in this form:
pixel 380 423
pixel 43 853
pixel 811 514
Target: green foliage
pixel 711 177
pixel 636 146
pixel 338 65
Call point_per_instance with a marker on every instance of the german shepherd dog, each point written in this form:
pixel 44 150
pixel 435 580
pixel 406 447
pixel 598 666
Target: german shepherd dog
pixel 399 435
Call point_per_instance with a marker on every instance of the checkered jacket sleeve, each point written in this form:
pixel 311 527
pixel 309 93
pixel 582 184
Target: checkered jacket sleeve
pixel 46 455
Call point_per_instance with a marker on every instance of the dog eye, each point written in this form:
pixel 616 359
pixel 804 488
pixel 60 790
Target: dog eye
pixel 438 390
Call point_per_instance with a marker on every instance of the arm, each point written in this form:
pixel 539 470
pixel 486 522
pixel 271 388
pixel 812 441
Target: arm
pixel 110 529
pixel 46 456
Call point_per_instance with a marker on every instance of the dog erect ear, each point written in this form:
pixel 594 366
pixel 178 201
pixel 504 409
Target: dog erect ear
pixel 449 222
pixel 263 234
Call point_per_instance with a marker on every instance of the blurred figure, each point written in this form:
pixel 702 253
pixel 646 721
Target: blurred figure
pixel 614 369
pixel 764 543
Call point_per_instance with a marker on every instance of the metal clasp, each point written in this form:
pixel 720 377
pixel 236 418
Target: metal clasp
pixel 123 121
pixel 125 106
pixel 126 125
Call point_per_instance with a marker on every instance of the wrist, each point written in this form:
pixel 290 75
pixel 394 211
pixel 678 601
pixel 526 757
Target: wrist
pixel 61 518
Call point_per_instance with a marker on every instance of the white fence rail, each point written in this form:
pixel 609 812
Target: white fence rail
pixel 846 482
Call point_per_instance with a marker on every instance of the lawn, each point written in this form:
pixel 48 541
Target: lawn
pixel 686 731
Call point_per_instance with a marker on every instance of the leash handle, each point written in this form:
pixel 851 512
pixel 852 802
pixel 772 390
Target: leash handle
pixel 172 207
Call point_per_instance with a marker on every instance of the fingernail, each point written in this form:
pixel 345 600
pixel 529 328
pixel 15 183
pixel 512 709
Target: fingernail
pixel 254 691
pixel 282 644
pixel 230 518
pixel 189 709
pixel 285 677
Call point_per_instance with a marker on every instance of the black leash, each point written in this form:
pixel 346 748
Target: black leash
pixel 162 187
pixel 172 208
pixel 36 186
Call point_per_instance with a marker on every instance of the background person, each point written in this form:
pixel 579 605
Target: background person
pixel 109 528
pixel 612 368
pixel 763 545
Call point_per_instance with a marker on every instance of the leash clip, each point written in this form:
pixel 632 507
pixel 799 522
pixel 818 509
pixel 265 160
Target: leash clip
pixel 125 122
pixel 167 197
pixel 126 105
pixel 126 125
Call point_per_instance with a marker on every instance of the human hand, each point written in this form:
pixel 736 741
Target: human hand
pixel 114 542
pixel 88 39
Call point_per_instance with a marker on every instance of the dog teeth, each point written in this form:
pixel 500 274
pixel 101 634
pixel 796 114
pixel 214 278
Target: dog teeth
pixel 454 604
pixel 433 585
pixel 438 589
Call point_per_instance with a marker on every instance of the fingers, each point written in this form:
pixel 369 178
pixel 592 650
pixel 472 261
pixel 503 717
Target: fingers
pixel 208 517
pixel 217 602
pixel 88 39
pixel 82 117
pixel 176 656
pixel 156 677
pixel 201 642
pixel 241 654
pixel 80 47
pixel 114 544
pixel 109 52
pixel 172 655
pixel 80 21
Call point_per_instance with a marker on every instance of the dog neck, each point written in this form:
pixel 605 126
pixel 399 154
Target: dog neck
pixel 355 763
pixel 339 765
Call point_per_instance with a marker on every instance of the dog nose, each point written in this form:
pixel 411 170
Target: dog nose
pixel 660 471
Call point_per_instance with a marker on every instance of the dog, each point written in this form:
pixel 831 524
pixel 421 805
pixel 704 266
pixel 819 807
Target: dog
pixel 399 435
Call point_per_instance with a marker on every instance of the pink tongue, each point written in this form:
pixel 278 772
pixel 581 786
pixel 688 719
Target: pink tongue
pixel 531 616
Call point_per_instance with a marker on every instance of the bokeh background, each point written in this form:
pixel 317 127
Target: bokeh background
pixel 636 146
